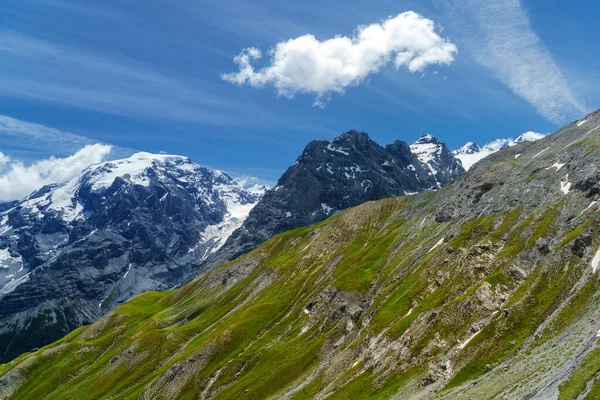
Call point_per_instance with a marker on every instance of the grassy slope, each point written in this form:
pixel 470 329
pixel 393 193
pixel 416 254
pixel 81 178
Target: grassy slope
pixel 377 301
pixel 244 331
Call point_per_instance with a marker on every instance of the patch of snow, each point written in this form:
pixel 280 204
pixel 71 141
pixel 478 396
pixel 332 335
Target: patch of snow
pixel 517 156
pixel 367 184
pixel 596 261
pixel 127 272
pixel 326 209
pixel 592 204
pixel 409 312
pixel 436 245
pixel 592 130
pixel 87 236
pixel 12 284
pixel 4 227
pixel 556 165
pixel 468 160
pixel 5 255
pixel 288 214
pixel 426 152
pixel 411 167
pixel 581 122
pixel 466 342
pixel 340 150
pixel 540 153
pixel 565 186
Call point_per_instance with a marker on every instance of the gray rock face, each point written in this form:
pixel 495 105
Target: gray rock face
pixel 332 176
pixel 70 252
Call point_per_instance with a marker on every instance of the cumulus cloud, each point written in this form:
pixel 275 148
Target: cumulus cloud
pixel 499 35
pixel 308 65
pixel 18 180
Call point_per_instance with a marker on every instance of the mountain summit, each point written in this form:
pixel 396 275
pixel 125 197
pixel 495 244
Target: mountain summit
pixel 332 176
pixel 442 165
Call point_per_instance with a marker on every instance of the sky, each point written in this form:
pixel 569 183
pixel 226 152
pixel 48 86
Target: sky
pixel 243 86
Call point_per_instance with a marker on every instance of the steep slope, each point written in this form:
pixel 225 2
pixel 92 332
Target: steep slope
pixel 487 288
pixel 470 153
pixel 70 252
pixel 333 176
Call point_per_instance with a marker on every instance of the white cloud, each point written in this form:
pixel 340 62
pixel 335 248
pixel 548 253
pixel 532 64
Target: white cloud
pixel 107 82
pixel 308 65
pixel 499 35
pixel 44 141
pixel 249 182
pixel 18 180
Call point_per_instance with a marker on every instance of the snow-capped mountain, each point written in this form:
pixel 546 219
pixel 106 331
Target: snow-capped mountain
pixel 470 153
pixel 439 160
pixel 120 228
pixel 332 176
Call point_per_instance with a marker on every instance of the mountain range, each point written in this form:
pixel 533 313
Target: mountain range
pixel 70 252
pixel 484 288
pixel 332 176
pixel 471 153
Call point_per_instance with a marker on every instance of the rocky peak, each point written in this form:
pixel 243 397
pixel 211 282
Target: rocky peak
pixel 427 138
pixel 469 148
pixel 440 162
pixel 332 176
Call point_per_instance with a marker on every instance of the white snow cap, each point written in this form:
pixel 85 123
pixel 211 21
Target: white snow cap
pixel 470 153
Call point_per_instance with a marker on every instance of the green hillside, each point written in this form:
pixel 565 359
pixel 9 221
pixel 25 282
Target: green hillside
pixel 484 289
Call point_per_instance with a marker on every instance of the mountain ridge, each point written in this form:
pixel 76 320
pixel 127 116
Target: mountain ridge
pixel 471 153
pixel 334 175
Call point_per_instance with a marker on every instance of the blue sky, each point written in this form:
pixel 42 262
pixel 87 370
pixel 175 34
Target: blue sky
pixel 148 76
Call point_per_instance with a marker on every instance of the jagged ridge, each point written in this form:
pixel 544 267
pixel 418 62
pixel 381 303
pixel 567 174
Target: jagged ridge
pixel 332 176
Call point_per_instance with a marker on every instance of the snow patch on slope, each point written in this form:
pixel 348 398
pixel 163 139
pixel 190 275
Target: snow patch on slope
pixel 565 186
pixel 596 261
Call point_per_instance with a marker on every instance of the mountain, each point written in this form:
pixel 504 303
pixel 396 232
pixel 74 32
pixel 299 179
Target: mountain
pixel 486 288
pixel 332 176
pixel 69 252
pixel 470 153
pixel 441 163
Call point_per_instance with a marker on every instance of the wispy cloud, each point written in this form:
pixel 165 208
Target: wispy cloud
pixel 110 83
pixel 16 135
pixel 18 180
pixel 308 65
pixel 499 35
